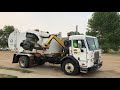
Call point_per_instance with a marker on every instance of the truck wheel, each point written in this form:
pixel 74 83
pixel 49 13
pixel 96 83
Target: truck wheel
pixel 24 61
pixel 41 62
pixel 69 67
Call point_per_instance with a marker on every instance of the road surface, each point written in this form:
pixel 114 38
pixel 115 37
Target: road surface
pixel 110 68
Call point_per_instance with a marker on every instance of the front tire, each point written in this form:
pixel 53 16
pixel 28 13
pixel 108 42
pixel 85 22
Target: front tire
pixel 69 67
pixel 24 61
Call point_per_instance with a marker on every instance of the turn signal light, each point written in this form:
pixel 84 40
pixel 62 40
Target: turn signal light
pixel 75 49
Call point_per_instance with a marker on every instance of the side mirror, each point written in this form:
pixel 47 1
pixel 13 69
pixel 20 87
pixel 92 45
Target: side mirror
pixel 80 44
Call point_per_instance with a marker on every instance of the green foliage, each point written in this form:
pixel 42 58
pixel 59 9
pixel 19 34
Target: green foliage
pixel 16 69
pixel 74 33
pixel 7 76
pixel 4 34
pixel 8 29
pixel 1 32
pixel 105 26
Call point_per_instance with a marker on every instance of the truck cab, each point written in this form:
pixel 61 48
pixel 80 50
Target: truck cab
pixel 85 51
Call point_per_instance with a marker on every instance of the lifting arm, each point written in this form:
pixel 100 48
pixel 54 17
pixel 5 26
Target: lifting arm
pixel 53 36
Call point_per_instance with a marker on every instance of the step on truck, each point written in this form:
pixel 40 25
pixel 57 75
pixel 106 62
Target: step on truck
pixel 75 53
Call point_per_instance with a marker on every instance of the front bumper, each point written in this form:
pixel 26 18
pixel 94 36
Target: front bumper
pixel 96 66
pixel 93 68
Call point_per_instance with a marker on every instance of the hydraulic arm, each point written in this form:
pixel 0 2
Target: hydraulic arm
pixel 53 36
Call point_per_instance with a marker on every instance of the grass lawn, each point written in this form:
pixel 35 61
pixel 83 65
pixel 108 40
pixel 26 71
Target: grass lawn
pixel 16 69
pixel 7 76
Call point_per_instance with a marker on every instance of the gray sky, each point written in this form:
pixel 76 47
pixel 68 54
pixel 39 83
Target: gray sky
pixel 53 22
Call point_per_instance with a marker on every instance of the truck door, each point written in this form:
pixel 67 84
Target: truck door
pixel 79 50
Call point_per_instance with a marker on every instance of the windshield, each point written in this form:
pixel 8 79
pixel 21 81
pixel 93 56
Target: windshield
pixel 92 43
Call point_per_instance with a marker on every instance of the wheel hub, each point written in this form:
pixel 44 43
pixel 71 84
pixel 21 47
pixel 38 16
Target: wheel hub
pixel 69 67
pixel 22 62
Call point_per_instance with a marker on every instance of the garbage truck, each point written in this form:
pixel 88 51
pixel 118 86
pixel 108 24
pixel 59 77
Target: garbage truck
pixel 74 53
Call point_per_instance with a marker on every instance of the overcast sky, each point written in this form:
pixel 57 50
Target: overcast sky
pixel 53 22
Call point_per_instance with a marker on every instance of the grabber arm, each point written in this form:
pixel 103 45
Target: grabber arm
pixel 53 36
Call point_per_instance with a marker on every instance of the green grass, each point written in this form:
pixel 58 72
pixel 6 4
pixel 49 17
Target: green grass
pixel 113 53
pixel 15 69
pixel 7 76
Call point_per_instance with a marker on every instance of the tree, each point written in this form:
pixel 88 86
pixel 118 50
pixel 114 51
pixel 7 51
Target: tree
pixel 4 34
pixel 105 26
pixel 8 29
pixel 1 32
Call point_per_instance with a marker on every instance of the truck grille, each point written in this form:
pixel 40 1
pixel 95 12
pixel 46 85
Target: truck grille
pixel 96 57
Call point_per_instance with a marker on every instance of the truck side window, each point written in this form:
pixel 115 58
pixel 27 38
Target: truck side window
pixel 75 43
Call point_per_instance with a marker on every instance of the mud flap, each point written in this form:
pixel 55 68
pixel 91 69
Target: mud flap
pixel 15 60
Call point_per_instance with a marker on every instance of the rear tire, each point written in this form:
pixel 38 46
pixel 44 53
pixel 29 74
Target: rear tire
pixel 69 67
pixel 24 61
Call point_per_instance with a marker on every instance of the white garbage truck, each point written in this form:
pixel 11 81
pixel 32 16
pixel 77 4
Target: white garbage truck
pixel 75 53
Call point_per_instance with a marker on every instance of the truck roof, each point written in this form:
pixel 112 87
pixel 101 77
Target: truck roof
pixel 80 36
